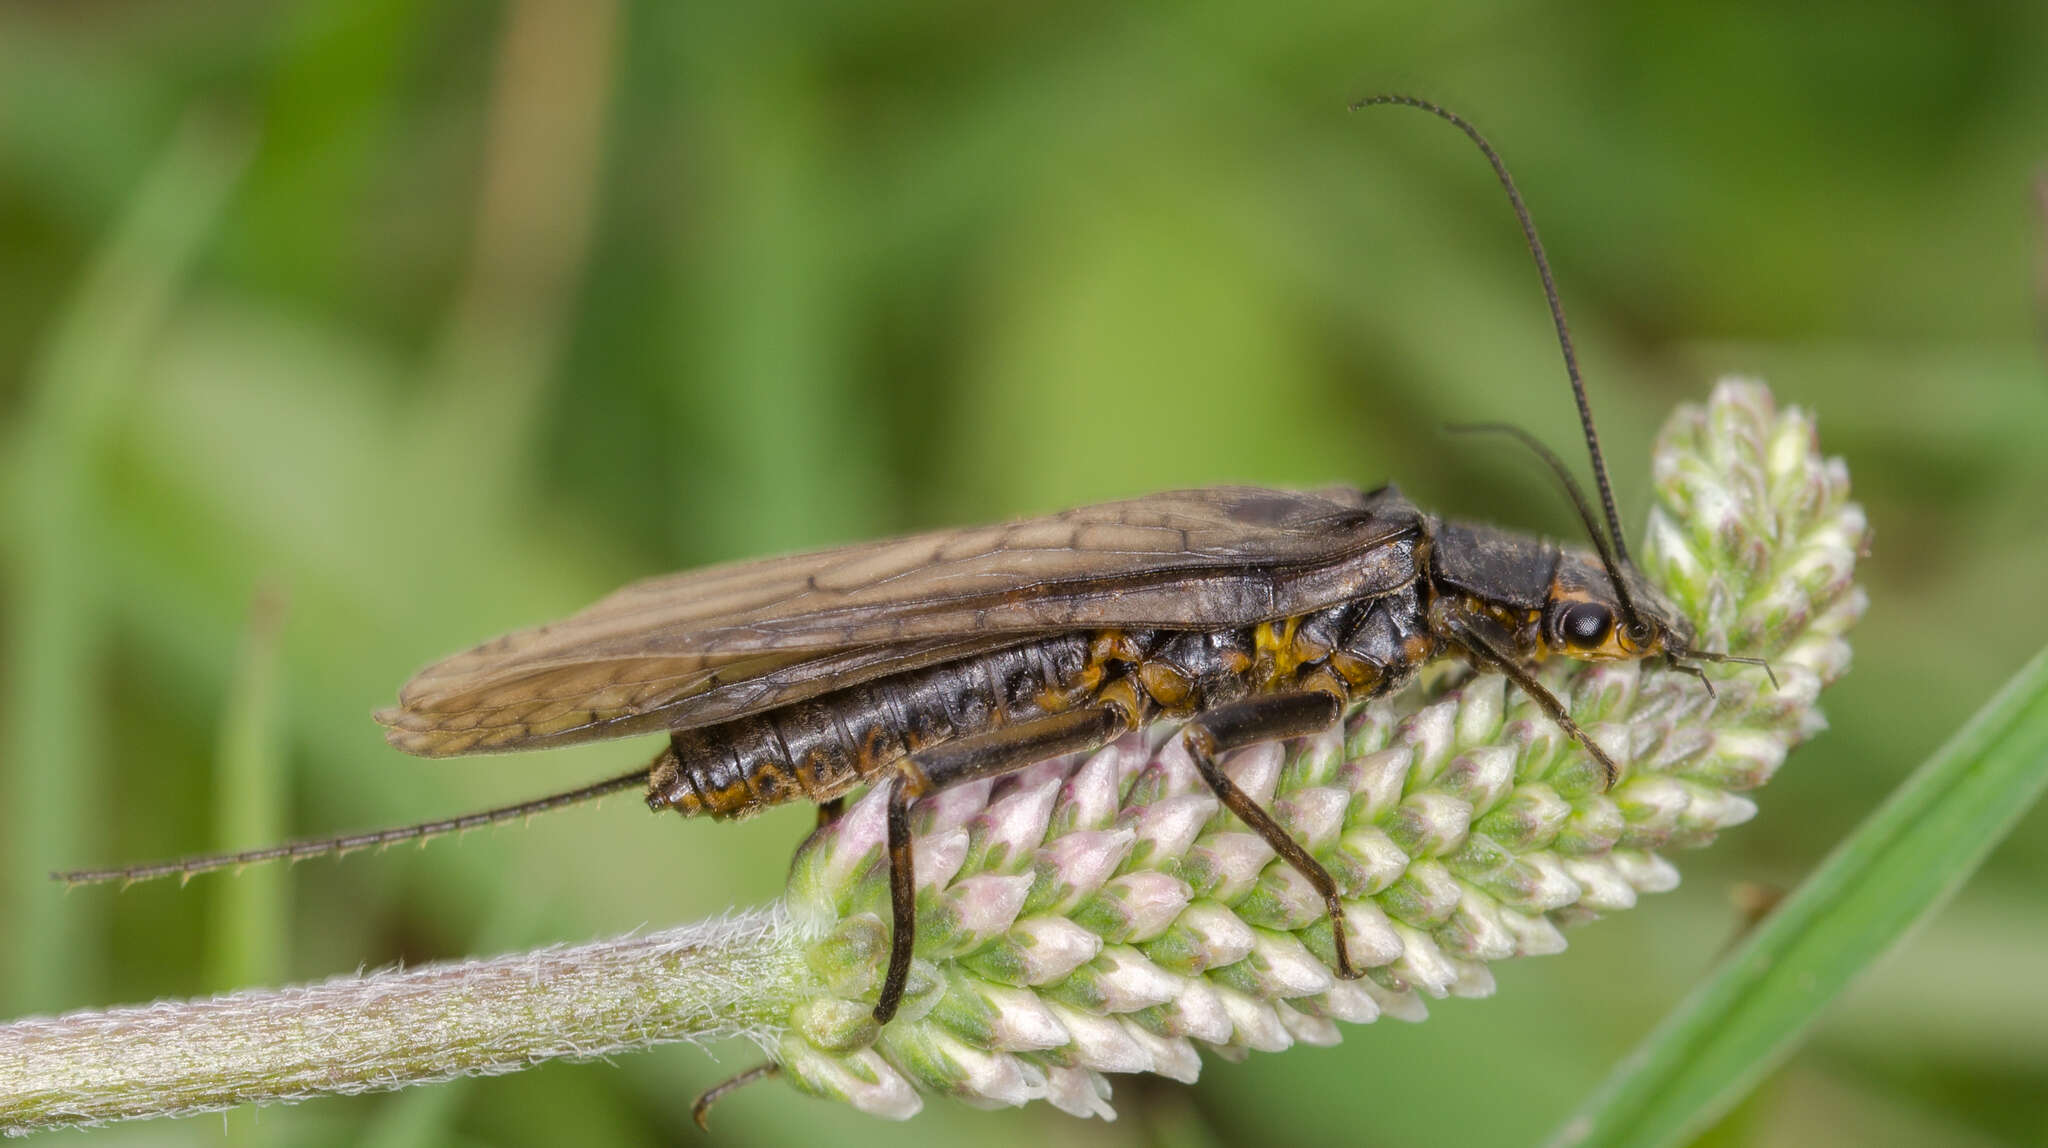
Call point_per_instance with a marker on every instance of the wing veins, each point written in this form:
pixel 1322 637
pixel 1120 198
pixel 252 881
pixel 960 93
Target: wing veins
pixel 747 636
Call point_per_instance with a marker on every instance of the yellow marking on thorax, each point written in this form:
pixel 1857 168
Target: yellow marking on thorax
pixel 1105 647
pixel 1114 646
pixel 1274 643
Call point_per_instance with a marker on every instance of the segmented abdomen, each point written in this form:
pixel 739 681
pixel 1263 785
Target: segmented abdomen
pixel 816 750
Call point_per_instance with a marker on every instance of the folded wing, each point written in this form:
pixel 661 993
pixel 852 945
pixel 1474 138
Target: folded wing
pixel 719 643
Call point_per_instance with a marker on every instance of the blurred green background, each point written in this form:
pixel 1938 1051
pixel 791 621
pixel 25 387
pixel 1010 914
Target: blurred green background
pixel 335 336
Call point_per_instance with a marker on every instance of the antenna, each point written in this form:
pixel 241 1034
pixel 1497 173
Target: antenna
pixel 1571 487
pixel 185 868
pixel 1564 333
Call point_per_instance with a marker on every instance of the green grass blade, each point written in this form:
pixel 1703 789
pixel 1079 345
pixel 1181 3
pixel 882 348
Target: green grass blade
pixel 1892 874
pixel 251 915
pixel 52 746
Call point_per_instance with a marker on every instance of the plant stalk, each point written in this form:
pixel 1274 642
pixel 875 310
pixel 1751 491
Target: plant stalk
pixel 734 977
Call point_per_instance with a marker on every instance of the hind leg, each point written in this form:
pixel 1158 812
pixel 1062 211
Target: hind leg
pixel 701 1111
pixel 942 766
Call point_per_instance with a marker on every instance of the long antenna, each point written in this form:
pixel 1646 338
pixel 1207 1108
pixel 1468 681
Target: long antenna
pixel 185 868
pixel 1564 332
pixel 1571 487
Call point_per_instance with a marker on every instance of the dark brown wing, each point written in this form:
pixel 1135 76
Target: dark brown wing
pixel 709 645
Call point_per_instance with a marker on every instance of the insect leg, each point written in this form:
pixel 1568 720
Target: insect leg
pixel 1476 644
pixel 701 1111
pixel 1696 671
pixel 942 766
pixel 1265 718
pixel 828 813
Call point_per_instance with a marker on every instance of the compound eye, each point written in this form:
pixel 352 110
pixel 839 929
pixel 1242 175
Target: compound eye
pixel 1586 623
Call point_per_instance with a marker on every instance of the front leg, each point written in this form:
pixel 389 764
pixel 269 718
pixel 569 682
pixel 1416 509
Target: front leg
pixel 1271 717
pixel 1461 631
